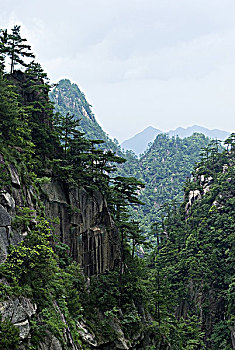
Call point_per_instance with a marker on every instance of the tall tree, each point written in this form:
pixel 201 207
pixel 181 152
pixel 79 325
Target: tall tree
pixel 16 48
pixel 125 193
pixel 3 41
pixel 66 126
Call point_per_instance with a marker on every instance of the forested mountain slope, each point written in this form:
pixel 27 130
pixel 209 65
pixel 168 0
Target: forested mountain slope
pixel 71 273
pixel 194 261
pixel 163 169
pixel 63 218
pixel 68 98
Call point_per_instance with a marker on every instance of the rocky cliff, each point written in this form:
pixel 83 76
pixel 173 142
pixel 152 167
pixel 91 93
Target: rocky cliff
pixel 81 220
pixel 85 225
pixel 67 280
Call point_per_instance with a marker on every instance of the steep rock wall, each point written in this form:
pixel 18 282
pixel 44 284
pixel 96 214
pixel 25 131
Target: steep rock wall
pixel 81 220
pixel 84 222
pixel 85 225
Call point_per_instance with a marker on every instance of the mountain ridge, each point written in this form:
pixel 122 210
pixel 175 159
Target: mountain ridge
pixel 186 132
pixel 76 269
pixel 139 142
pixel 68 98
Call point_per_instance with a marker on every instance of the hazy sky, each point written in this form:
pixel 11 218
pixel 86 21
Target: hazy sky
pixel 165 63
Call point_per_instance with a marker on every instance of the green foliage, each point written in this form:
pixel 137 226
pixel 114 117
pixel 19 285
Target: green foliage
pixel 163 169
pixel 31 262
pixel 4 175
pixel 9 335
pixel 68 98
pixel 15 47
pixel 193 263
pixel 220 337
pixel 104 291
pixel 32 268
pixel 13 122
pixel 181 296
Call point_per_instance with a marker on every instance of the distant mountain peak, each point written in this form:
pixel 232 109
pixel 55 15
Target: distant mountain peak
pixel 150 128
pixel 139 142
pixel 186 132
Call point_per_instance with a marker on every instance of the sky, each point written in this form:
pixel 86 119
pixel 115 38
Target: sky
pixel 164 63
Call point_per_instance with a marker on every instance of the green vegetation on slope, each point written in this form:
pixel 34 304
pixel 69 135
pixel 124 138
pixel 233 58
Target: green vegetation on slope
pixel 44 146
pixel 180 297
pixel 193 264
pixel 68 98
pixel 163 169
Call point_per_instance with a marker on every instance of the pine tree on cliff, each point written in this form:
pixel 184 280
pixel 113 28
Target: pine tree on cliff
pixel 3 41
pixel 37 77
pixel 66 126
pixel 16 48
pixel 14 129
pixel 124 193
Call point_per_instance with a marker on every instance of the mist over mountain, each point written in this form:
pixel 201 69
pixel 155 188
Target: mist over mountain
pixel 139 142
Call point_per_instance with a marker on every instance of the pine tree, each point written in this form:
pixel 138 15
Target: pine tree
pixel 66 126
pixel 16 48
pixel 14 129
pixel 124 193
pixel 3 41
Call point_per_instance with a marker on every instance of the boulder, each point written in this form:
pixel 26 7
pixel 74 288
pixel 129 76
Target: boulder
pixel 50 343
pixel 5 219
pixel 18 311
pixel 7 201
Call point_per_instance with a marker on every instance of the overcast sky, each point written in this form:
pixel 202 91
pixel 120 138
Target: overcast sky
pixel 165 63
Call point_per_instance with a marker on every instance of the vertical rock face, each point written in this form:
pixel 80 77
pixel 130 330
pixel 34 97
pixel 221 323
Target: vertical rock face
pixel 83 222
pixel 85 225
pixel 5 222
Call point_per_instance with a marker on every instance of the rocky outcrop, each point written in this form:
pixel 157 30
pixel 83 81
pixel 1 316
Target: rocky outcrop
pixel 5 225
pixel 50 343
pixel 88 337
pixel 192 197
pixel 82 221
pixel 204 184
pixel 71 96
pixel 85 225
pixel 19 311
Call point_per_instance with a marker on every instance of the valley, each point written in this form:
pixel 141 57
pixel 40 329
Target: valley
pixel 101 248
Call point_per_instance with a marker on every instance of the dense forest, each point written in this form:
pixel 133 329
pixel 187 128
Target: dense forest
pixel 179 295
pixel 163 168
